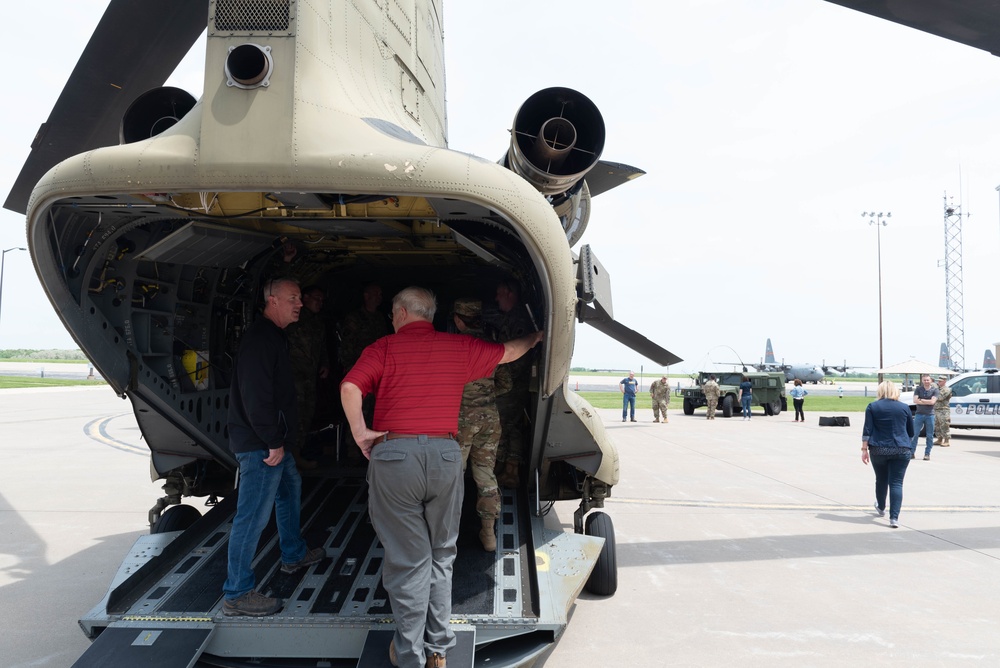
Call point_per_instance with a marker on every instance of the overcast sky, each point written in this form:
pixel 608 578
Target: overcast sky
pixel 765 129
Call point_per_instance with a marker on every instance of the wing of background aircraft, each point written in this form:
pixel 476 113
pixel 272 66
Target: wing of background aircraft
pixel 135 47
pixel 972 22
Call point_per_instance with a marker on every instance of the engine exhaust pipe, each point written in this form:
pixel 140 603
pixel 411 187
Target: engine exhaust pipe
pixel 558 137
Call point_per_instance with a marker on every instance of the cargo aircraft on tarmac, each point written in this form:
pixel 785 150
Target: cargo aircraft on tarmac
pixel 154 219
pixel 807 373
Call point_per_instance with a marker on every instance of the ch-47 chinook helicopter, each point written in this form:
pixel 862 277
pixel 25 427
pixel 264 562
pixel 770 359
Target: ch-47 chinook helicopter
pixel 153 221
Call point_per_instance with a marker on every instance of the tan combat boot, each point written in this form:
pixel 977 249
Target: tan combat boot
pixel 509 477
pixel 937 441
pixel 487 535
pixel 435 660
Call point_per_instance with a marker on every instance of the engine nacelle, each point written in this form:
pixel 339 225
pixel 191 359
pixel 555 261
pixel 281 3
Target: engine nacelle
pixel 153 112
pixel 558 137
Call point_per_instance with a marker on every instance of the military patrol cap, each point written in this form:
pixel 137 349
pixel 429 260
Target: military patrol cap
pixel 942 377
pixel 468 308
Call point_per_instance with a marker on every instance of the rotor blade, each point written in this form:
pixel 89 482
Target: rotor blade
pixel 971 22
pixel 136 46
pixel 629 337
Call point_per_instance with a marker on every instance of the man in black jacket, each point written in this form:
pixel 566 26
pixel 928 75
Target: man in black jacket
pixel 262 421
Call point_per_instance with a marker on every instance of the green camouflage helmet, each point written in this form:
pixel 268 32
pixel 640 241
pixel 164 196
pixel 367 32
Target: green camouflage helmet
pixel 467 307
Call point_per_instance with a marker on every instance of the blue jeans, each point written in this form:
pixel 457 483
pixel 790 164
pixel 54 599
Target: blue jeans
pixel 628 403
pixel 889 473
pixel 745 402
pixel 928 422
pixel 263 487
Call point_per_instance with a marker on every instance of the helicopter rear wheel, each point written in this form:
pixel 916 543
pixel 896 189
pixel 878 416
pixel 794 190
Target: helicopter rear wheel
pixel 176 518
pixel 604 578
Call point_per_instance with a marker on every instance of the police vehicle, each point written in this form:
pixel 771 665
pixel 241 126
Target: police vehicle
pixel 975 400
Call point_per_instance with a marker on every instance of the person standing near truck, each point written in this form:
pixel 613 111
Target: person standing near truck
pixel 925 397
pixel 628 387
pixel 746 396
pixel 712 391
pixel 942 414
pixel 798 399
pixel 659 392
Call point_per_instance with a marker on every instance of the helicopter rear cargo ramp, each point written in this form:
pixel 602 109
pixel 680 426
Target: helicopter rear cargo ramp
pixel 128 644
pixel 168 593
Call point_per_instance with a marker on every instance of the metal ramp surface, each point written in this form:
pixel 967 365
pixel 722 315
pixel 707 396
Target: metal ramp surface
pixel 376 651
pixel 156 645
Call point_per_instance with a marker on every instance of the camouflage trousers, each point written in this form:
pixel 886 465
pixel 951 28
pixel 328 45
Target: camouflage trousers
pixel 513 435
pixel 479 436
pixel 660 407
pixel 942 424
pixel 713 403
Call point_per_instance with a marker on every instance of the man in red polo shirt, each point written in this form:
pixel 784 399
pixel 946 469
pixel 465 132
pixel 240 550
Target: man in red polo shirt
pixel 415 476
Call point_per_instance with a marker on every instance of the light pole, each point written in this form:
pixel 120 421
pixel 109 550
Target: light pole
pixel 997 189
pixel 3 256
pixel 876 219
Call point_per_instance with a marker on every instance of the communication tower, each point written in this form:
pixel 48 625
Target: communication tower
pixel 954 309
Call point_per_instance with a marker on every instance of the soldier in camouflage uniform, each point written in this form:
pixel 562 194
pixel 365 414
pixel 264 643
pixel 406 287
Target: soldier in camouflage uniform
pixel 712 391
pixel 362 327
pixel 310 362
pixel 942 414
pixel 479 428
pixel 659 391
pixel 358 330
pixel 513 380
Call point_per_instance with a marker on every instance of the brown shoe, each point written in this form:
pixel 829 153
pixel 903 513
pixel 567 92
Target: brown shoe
pixel 393 658
pixel 251 604
pixel 435 660
pixel 313 556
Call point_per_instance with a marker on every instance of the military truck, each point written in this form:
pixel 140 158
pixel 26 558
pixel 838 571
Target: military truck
pixel 768 391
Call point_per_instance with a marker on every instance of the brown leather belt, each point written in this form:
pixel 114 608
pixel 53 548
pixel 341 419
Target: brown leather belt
pixel 391 436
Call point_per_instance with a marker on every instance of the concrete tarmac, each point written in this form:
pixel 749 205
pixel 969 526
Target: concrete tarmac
pixel 739 543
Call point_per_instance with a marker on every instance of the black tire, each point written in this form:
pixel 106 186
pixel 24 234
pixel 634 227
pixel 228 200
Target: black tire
pixel 688 406
pixel 776 407
pixel 603 579
pixel 176 518
pixel 727 406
